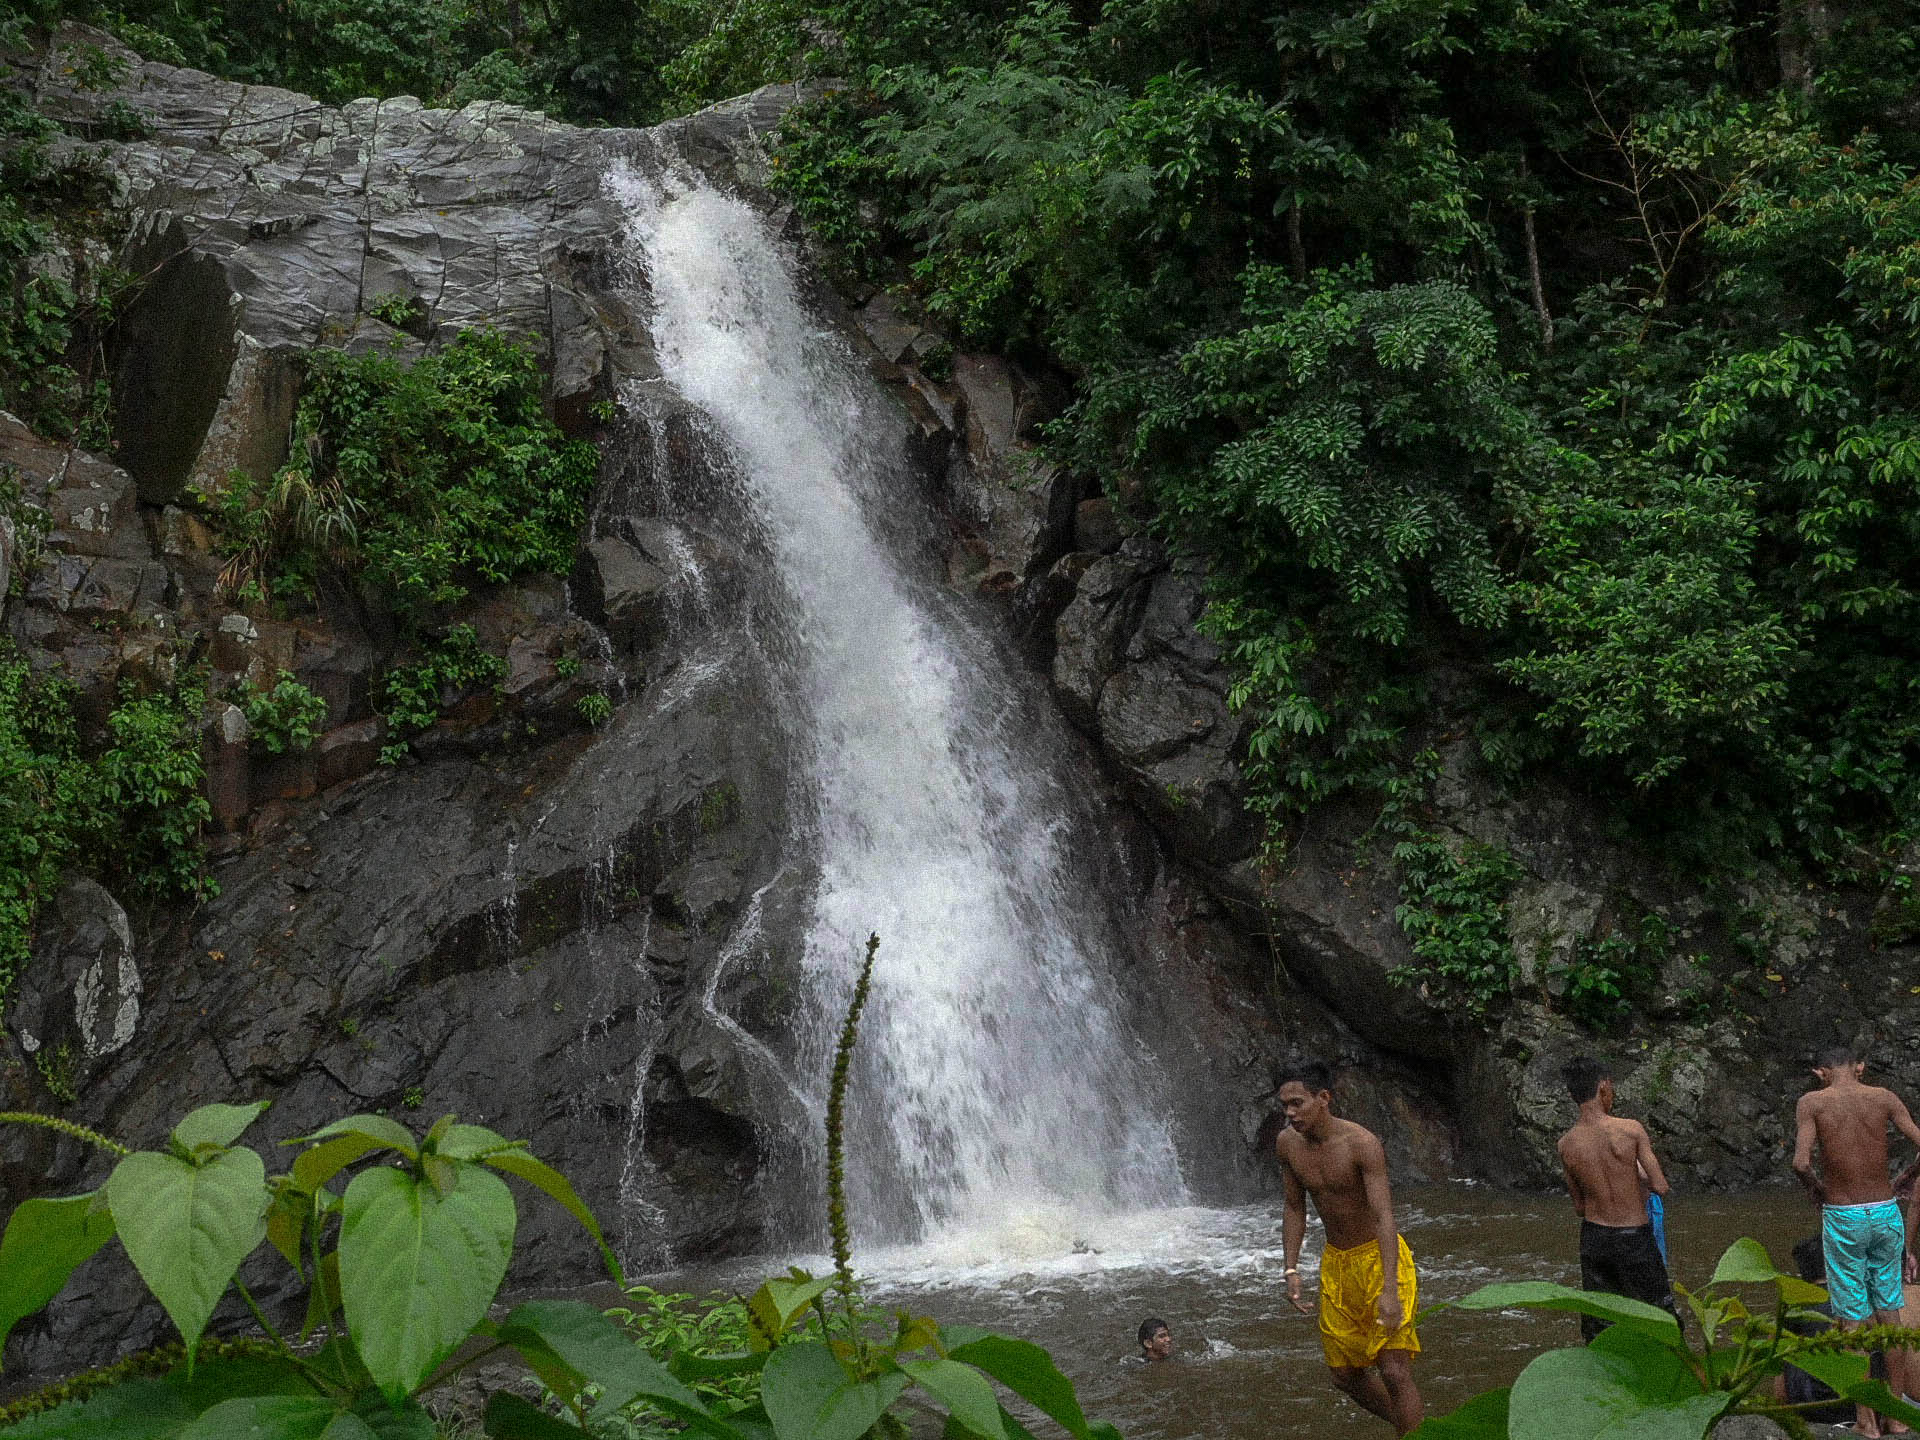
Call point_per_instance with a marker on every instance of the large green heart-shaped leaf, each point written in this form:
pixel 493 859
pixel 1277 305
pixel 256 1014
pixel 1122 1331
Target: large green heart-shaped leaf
pixel 963 1390
pixel 1635 1389
pixel 776 1304
pixel 46 1241
pixel 510 1417
pixel 187 1227
pixel 1482 1418
pixel 808 1396
pixel 236 1377
pixel 408 1422
pixel 1023 1368
pixel 1543 1295
pixel 378 1128
pixel 598 1351
pixel 418 1269
pixel 544 1178
pixel 1847 1376
pixel 1746 1262
pixel 217 1126
pixel 277 1417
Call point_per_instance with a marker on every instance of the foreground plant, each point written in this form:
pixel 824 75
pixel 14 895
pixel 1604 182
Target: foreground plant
pixel 402 1267
pixel 1645 1377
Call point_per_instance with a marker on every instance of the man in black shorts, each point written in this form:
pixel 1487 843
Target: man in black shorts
pixel 1611 1169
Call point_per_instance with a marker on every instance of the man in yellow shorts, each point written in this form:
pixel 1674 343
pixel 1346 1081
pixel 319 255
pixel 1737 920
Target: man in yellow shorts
pixel 1367 1287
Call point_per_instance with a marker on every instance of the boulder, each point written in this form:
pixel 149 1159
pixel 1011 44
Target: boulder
pixel 621 591
pixel 1096 527
pixel 1093 631
pixel 348 751
pixel 892 333
pixel 78 1002
pixel 224 754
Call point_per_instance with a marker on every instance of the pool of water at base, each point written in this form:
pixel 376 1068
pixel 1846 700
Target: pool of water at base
pixel 1246 1365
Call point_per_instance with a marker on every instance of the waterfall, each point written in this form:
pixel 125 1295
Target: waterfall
pixel 996 1080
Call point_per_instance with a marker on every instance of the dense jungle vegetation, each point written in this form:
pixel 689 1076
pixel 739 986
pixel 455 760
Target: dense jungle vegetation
pixel 1546 368
pixel 1549 367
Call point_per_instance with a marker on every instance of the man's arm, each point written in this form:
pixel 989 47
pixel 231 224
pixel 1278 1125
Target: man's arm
pixel 1293 1229
pixel 1373 1176
pixel 1903 1122
pixel 1649 1166
pixel 1803 1136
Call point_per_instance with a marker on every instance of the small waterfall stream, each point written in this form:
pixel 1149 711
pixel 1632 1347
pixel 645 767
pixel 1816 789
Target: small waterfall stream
pixel 998 1086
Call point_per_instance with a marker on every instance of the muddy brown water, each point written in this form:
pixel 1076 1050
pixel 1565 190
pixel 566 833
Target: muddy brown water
pixel 1248 1367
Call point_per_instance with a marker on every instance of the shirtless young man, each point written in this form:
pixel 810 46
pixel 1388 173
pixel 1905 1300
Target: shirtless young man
pixel 1611 1170
pixel 1367 1288
pixel 1864 1237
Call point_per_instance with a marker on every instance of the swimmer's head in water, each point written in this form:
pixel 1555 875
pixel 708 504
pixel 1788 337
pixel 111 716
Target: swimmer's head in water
pixel 1585 1075
pixel 1156 1340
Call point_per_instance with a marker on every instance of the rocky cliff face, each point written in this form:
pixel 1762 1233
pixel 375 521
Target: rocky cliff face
pixel 1743 983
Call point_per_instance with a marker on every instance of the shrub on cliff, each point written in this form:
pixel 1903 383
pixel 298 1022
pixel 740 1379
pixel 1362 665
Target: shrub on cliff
pixel 415 481
pixel 127 807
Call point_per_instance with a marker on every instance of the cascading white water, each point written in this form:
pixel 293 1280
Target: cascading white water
pixel 997 1086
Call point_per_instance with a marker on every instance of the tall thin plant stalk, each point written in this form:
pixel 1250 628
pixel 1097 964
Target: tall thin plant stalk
pixel 836 1134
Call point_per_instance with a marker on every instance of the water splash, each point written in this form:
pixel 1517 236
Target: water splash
pixel 996 1079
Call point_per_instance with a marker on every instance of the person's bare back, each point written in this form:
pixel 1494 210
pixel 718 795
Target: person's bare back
pixel 1848 1121
pixel 1605 1157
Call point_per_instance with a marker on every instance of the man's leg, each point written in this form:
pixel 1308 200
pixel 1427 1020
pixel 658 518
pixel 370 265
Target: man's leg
pixel 1396 1370
pixel 1593 1277
pixel 1866 1420
pixel 1899 1363
pixel 1367 1387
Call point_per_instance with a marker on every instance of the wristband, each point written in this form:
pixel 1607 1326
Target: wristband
pixel 1293 1270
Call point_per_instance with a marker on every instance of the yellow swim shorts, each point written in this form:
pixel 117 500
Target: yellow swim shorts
pixel 1350 1284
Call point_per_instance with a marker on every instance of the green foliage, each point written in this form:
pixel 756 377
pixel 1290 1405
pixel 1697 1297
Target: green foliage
pixel 56 1066
pixel 416 481
pixel 420 1253
pixel 127 808
pixel 1644 1376
pixel 56 300
pixel 152 796
pixel 287 717
pixel 421 1238
pixel 1605 976
pixel 589 60
pixel 413 694
pixel 1562 353
pixel 1453 910
pixel 595 707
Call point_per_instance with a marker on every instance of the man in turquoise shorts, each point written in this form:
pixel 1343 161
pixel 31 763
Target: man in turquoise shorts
pixel 1863 1235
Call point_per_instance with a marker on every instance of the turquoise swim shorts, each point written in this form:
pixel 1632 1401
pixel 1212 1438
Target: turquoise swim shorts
pixel 1864 1245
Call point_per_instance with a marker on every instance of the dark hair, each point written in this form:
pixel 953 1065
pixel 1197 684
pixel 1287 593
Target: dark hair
pixel 1150 1327
pixel 1810 1259
pixel 1583 1075
pixel 1835 1057
pixel 1313 1074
